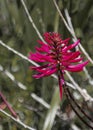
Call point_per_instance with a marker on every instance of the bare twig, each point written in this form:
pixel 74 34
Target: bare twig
pixel 14 114
pixel 31 20
pixel 83 92
pixel 74 127
pixel 41 20
pixel 74 39
pixel 17 120
pixel 18 53
pixel 62 17
pixel 40 100
pixel 11 76
pixel 74 36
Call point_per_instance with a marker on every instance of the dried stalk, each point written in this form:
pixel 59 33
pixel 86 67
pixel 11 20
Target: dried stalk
pixel 17 120
pixel 73 104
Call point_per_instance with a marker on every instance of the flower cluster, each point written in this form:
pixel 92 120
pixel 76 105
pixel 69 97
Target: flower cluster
pixel 57 56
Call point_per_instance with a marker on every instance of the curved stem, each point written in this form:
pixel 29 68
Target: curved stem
pixel 69 97
pixel 7 104
pixel 78 105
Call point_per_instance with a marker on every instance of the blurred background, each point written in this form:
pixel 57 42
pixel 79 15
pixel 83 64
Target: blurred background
pixel 17 32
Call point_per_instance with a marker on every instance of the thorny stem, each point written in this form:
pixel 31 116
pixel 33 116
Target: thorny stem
pixel 69 97
pixel 7 104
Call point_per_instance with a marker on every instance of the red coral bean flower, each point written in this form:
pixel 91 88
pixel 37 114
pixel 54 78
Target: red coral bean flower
pixel 57 56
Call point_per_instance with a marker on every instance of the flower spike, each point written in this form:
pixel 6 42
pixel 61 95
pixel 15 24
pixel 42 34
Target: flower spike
pixel 57 56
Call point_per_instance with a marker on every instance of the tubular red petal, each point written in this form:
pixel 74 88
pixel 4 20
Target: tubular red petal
pixel 42 49
pixel 65 42
pixel 41 43
pixel 72 56
pixel 51 71
pixel 72 46
pixel 44 73
pixel 39 67
pixel 77 68
pixel 76 60
pixel 36 58
pixel 40 57
pixel 68 62
pixel 74 69
pixel 38 76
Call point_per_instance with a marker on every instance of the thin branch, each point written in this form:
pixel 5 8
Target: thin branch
pixel 18 53
pixel 90 79
pixel 31 20
pixel 83 92
pixel 17 120
pixel 40 100
pixel 14 114
pixel 62 17
pixel 74 36
pixel 70 24
pixel 10 76
pixel 41 21
pixel 74 127
pixel 83 50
